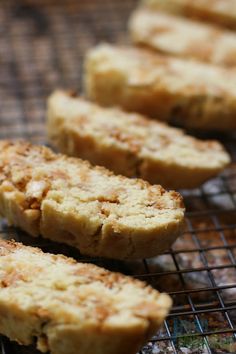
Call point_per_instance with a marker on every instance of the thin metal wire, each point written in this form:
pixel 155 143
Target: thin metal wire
pixel 165 322
pixel 210 274
pixel 2 346
pixel 41 48
pixel 193 335
pixel 190 270
pixel 193 310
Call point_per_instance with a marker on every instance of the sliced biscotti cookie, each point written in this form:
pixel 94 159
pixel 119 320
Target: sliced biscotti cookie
pixel 182 37
pixel 67 200
pixel 69 307
pixel 188 93
pixel 131 144
pixel 221 12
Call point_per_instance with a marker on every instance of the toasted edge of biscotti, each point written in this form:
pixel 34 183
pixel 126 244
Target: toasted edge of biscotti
pixel 148 149
pixel 70 307
pixel 67 200
pixel 184 92
pixel 219 12
pixel 182 37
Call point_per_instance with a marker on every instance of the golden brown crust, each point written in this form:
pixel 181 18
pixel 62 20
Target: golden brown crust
pixel 131 144
pixel 68 200
pixel 66 305
pixel 183 37
pixel 191 94
pixel 220 12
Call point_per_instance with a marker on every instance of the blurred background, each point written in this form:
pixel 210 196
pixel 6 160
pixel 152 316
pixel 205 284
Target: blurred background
pixel 42 44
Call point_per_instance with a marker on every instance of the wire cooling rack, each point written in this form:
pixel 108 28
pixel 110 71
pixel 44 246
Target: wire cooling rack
pixel 42 44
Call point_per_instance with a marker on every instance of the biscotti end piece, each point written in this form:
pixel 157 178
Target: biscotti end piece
pixel 187 93
pixel 69 307
pixel 67 200
pixel 220 12
pixel 183 37
pixel 131 144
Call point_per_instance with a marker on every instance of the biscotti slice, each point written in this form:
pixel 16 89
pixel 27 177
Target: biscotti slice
pixel 182 37
pixel 67 200
pixel 220 12
pixel 130 144
pixel 188 93
pixel 74 308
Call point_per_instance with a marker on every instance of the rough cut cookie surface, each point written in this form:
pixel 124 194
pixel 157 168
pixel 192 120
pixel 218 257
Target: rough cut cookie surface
pixel 131 144
pixel 67 200
pixel 221 12
pixel 182 37
pixel 74 308
pixel 188 93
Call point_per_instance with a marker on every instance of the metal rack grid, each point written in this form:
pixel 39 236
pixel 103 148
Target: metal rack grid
pixel 42 44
